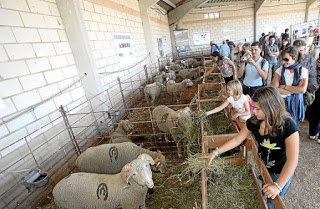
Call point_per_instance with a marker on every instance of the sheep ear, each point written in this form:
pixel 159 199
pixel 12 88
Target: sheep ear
pixel 146 157
pixel 125 173
pixel 159 153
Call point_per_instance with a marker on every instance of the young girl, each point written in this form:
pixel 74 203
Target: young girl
pixel 238 101
pixel 277 138
pixel 291 80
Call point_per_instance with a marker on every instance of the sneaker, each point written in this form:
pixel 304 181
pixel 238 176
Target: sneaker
pixel 318 141
pixel 314 137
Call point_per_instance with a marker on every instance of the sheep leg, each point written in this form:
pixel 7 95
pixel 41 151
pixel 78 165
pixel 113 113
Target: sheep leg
pixel 177 141
pixel 143 203
pixel 166 138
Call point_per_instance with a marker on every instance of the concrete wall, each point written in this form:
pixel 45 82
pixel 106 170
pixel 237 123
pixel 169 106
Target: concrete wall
pixel 236 22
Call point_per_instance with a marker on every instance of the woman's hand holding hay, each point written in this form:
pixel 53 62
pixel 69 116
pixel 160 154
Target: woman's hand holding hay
pixel 210 156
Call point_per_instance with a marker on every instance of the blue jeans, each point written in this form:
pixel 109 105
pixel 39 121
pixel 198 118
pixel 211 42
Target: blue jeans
pixel 274 177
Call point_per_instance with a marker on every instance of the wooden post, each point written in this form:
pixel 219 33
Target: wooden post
pixel 123 99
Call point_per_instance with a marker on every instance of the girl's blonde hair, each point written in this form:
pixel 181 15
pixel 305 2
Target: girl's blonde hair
pixel 274 108
pixel 236 87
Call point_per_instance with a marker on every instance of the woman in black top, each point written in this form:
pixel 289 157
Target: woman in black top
pixel 277 137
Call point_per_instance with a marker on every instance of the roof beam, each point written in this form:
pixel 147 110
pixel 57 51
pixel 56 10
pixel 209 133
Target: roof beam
pixel 258 5
pixel 147 3
pixel 175 15
pixel 170 3
pixel 309 3
pixel 200 5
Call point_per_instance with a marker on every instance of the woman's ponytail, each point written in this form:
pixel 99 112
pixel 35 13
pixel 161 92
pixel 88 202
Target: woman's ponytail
pixel 300 58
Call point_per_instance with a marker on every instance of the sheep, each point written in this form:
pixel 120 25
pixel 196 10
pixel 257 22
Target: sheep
pixel 127 189
pixel 110 158
pixel 188 62
pixel 158 78
pixel 175 89
pixel 168 75
pixel 153 91
pixel 121 132
pixel 175 123
pixel 192 73
pixel 175 67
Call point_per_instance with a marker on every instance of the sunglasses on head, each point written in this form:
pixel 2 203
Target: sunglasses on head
pixel 285 59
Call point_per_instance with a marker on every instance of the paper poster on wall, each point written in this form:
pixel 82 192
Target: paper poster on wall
pixel 165 44
pixel 181 37
pixel 201 38
pixel 303 29
pixel 125 49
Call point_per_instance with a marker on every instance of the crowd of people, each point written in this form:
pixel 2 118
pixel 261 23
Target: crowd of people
pixel 281 80
pixel 283 62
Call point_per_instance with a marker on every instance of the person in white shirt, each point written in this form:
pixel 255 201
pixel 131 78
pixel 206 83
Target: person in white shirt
pixel 291 80
pixel 239 102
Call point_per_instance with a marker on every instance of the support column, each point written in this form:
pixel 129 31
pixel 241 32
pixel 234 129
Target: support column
pixel 308 4
pixel 257 7
pixel 74 26
pixel 173 41
pixel 147 32
pixel 175 15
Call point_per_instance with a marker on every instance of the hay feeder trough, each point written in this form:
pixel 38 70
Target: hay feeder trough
pixel 249 152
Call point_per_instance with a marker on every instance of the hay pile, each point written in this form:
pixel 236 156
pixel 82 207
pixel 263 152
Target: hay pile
pixel 217 123
pixel 228 186
pixel 171 191
pixel 211 78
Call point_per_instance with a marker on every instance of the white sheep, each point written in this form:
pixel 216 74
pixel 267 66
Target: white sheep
pixel 169 75
pixel 158 78
pixel 175 89
pixel 153 91
pixel 110 158
pixel 191 73
pixel 175 123
pixel 121 132
pixel 127 189
pixel 175 67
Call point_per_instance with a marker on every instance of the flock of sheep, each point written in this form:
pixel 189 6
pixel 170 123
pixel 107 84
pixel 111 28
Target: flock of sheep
pixel 118 174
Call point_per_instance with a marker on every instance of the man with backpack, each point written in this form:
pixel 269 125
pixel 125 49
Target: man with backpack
pixel 310 63
pixel 255 69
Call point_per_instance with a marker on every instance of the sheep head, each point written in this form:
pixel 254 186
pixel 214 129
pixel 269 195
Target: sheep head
pixel 185 119
pixel 163 89
pixel 160 163
pixel 146 157
pixel 187 82
pixel 138 171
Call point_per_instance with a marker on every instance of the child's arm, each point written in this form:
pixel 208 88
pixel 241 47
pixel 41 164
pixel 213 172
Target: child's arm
pixel 235 73
pixel 219 108
pixel 246 112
